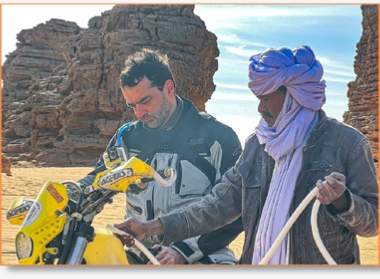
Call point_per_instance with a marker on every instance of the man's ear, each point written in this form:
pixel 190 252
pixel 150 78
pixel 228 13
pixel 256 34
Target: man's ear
pixel 169 86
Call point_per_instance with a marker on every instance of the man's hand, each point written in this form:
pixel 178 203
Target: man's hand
pixel 168 256
pixel 332 190
pixel 133 228
pixel 139 230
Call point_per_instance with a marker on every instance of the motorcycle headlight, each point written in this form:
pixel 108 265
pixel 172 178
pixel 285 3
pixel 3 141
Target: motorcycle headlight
pixel 24 246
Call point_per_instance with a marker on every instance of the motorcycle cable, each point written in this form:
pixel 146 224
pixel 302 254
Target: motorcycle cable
pixel 72 223
pixel 85 232
pixel 91 207
pixel 77 207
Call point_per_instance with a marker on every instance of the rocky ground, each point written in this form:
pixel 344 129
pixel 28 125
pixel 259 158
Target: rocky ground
pixel 27 180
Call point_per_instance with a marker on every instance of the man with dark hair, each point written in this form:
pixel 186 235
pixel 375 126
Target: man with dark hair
pixel 295 150
pixel 171 132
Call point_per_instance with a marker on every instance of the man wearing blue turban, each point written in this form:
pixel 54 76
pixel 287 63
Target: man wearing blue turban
pixel 295 149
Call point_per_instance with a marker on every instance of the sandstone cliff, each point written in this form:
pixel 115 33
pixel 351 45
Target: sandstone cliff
pixel 363 92
pixel 61 99
pixel 61 96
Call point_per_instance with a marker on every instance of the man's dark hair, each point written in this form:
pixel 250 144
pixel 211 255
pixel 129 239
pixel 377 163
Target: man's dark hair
pixel 146 63
pixel 283 89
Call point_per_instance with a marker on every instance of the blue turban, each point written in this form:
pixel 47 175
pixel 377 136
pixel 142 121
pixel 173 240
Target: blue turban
pixel 298 70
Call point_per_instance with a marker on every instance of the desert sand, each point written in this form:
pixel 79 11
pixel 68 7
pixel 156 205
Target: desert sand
pixel 26 182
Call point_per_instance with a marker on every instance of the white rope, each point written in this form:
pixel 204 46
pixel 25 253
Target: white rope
pixel 290 223
pixel 317 237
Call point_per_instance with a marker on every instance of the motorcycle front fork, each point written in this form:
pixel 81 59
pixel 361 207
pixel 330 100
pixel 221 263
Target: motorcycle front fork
pixel 83 237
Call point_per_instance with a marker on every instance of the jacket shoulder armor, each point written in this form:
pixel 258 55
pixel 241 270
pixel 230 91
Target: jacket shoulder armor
pixel 130 126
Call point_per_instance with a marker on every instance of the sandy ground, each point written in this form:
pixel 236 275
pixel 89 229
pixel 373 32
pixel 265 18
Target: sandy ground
pixel 26 182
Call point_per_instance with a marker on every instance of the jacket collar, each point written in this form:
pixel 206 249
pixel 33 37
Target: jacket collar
pixel 319 129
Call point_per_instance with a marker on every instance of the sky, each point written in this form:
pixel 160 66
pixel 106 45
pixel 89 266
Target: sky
pixel 281 20
pixel 332 31
pixel 32 15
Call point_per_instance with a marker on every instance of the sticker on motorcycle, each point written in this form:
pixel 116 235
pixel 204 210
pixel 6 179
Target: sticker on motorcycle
pixel 54 193
pixel 113 177
pixel 33 214
pixel 21 210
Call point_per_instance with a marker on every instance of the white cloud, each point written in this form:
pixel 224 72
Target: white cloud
pixel 226 12
pixel 241 51
pixel 233 39
pixel 232 86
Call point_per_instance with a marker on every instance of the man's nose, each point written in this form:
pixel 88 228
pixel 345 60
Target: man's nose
pixel 261 108
pixel 140 111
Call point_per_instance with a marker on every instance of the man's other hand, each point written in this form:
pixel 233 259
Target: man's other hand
pixel 332 191
pixel 168 255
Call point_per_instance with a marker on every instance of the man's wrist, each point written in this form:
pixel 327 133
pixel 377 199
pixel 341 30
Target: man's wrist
pixel 153 227
pixel 179 258
pixel 342 204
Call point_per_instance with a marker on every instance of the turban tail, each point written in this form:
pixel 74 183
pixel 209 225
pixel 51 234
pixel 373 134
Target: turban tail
pixel 301 74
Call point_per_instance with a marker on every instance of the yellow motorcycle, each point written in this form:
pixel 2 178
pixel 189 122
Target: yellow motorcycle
pixel 55 228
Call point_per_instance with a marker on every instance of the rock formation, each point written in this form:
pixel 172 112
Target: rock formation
pixel 363 92
pixel 61 100
pixel 61 96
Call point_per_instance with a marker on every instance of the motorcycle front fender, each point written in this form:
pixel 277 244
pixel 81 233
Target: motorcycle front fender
pixel 106 249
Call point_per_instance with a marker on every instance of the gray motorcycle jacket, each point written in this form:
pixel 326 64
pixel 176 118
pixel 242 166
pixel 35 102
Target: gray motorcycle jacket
pixel 332 147
pixel 201 149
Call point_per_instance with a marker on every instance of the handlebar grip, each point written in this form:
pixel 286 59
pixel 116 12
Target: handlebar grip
pixel 163 173
pixel 144 180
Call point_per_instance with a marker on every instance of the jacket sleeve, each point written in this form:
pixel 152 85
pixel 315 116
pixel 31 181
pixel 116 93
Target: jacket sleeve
pixel 361 181
pixel 220 238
